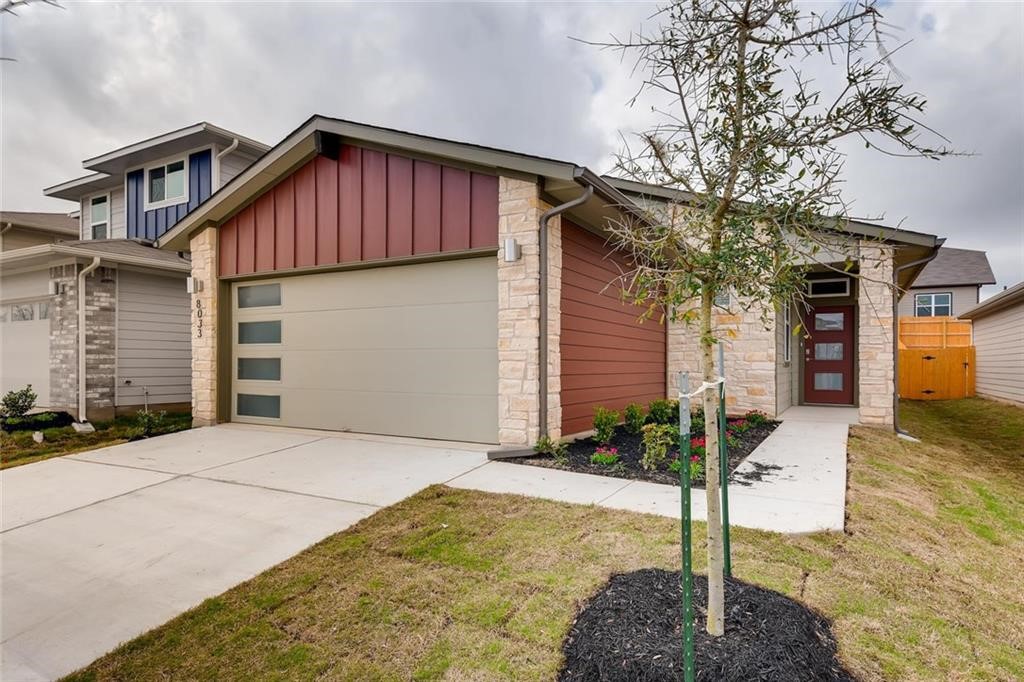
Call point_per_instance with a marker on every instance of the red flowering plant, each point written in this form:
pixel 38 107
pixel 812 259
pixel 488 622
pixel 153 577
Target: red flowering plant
pixel 696 463
pixel 698 446
pixel 605 455
pixel 740 425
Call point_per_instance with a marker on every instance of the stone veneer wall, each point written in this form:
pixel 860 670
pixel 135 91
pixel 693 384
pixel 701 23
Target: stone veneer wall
pixel 203 246
pixel 64 339
pixel 876 366
pixel 749 357
pixel 519 210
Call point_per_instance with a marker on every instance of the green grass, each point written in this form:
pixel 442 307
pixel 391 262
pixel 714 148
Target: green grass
pixel 18 448
pixel 460 585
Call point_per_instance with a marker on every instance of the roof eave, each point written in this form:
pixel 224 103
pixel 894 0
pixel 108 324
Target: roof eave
pixel 42 251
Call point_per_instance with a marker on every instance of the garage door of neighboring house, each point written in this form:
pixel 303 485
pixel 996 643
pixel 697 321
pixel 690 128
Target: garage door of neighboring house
pixel 25 334
pixel 609 357
pixel 407 350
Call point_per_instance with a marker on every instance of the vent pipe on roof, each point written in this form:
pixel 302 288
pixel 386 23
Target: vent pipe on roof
pixel 543 321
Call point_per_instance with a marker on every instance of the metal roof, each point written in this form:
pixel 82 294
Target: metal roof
pixel 956 267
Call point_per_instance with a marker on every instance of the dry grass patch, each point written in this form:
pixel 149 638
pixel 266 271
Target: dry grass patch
pixel 460 585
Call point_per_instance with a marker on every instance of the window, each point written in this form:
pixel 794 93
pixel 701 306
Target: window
pixel 822 288
pixel 44 310
pixel 22 312
pixel 828 322
pixel 787 327
pixel 251 405
pixel 259 332
pixel 99 217
pixel 166 184
pixel 828 381
pixel 828 351
pixel 259 296
pixel 259 369
pixel 933 305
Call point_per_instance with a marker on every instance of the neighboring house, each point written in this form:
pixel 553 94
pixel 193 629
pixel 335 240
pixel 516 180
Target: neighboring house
pixel 19 229
pixel 949 285
pixel 366 279
pixel 999 345
pixel 135 307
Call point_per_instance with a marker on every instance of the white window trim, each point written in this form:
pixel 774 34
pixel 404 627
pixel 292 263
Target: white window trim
pixel 845 280
pixel 787 325
pixel 931 303
pixel 90 224
pixel 146 204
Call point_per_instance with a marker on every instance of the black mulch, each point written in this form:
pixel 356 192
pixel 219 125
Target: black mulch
pixel 631 631
pixel 631 451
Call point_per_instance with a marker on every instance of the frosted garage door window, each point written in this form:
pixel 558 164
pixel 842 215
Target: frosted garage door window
pixel 828 381
pixel 259 296
pixel 259 332
pixel 251 405
pixel 259 369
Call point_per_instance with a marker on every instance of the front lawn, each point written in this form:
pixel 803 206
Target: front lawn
pixel 926 583
pixel 18 448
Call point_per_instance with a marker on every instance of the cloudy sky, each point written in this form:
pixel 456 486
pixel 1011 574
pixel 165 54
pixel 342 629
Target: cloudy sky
pixel 95 76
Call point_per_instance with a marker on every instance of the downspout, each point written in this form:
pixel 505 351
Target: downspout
pixel 227 150
pixel 896 337
pixel 81 336
pixel 543 321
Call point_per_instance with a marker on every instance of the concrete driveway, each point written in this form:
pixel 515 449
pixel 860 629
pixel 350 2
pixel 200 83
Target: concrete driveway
pixel 99 547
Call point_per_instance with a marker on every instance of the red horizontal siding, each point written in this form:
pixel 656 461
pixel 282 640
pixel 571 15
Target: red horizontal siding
pixel 366 205
pixel 610 356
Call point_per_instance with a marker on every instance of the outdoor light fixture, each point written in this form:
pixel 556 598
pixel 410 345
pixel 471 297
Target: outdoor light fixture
pixel 193 285
pixel 512 250
pixel 53 287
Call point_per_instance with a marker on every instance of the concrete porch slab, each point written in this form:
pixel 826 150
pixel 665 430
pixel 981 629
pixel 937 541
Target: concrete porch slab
pixel 821 413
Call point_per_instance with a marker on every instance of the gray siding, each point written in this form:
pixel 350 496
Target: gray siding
pixel 964 298
pixel 153 339
pixel 999 343
pixel 117 215
pixel 233 164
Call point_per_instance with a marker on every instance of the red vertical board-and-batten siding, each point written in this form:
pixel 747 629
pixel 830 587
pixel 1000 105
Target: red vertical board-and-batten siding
pixel 609 357
pixel 366 205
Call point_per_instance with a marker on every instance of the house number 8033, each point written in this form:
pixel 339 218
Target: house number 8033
pixel 199 318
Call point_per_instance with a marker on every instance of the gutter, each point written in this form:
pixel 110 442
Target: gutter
pixel 81 337
pixel 896 338
pixel 543 321
pixel 227 150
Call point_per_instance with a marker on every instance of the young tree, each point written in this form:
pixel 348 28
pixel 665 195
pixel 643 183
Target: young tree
pixel 753 99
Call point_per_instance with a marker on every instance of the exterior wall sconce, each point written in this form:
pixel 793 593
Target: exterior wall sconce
pixel 512 250
pixel 193 285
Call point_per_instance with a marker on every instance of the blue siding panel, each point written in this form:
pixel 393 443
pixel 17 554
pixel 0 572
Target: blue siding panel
pixel 152 224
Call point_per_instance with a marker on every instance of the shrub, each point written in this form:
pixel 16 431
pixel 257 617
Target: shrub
pixel 660 412
pixel 37 422
pixel 605 455
pixel 634 417
pixel 605 421
pixel 756 418
pixel 696 466
pixel 740 425
pixel 18 403
pixel 658 438
pixel 149 422
pixel 553 448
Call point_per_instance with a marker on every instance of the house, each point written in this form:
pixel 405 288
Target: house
pixel 999 345
pixel 19 229
pixel 949 285
pixel 133 319
pixel 373 280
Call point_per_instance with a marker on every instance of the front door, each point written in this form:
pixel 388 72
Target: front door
pixel 828 355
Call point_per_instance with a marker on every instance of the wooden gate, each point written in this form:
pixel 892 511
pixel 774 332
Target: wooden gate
pixel 937 373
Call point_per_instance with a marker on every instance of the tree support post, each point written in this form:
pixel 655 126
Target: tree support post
pixel 686 574
pixel 723 461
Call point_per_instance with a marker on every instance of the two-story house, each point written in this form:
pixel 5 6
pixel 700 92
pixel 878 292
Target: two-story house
pixel 949 285
pixel 127 337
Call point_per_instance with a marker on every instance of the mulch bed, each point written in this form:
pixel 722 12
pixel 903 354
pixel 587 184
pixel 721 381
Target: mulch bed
pixel 631 451
pixel 631 631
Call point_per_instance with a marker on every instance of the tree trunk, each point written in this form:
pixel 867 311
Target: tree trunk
pixel 716 549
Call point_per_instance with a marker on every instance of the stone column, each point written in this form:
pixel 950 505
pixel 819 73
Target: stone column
pixel 100 342
pixel 64 339
pixel 203 246
pixel 875 361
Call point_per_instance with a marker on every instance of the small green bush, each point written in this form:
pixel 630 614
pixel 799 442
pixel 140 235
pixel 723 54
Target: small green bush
pixel 553 448
pixel 605 421
pixel 756 418
pixel 658 438
pixel 149 423
pixel 635 417
pixel 696 466
pixel 605 456
pixel 18 403
pixel 37 422
pixel 659 412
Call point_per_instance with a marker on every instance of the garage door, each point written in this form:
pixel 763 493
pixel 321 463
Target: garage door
pixel 25 334
pixel 410 350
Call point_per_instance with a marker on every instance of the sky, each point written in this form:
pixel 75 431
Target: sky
pixel 96 76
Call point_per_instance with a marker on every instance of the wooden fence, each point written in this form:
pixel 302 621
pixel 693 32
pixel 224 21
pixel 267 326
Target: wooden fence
pixel 935 332
pixel 936 373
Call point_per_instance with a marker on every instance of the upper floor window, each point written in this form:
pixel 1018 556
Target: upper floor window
pixel 99 217
pixel 933 305
pixel 166 184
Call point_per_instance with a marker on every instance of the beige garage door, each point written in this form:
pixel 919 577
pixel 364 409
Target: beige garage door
pixel 409 350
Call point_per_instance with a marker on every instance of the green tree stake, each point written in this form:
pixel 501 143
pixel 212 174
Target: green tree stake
pixel 723 466
pixel 686 574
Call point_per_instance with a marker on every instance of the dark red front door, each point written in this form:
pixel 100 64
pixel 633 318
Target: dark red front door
pixel 828 355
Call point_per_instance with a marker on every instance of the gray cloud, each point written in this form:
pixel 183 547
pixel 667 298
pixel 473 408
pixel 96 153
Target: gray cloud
pixel 94 77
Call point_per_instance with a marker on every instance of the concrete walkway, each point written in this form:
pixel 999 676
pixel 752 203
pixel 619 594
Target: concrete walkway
pixel 802 466
pixel 102 546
